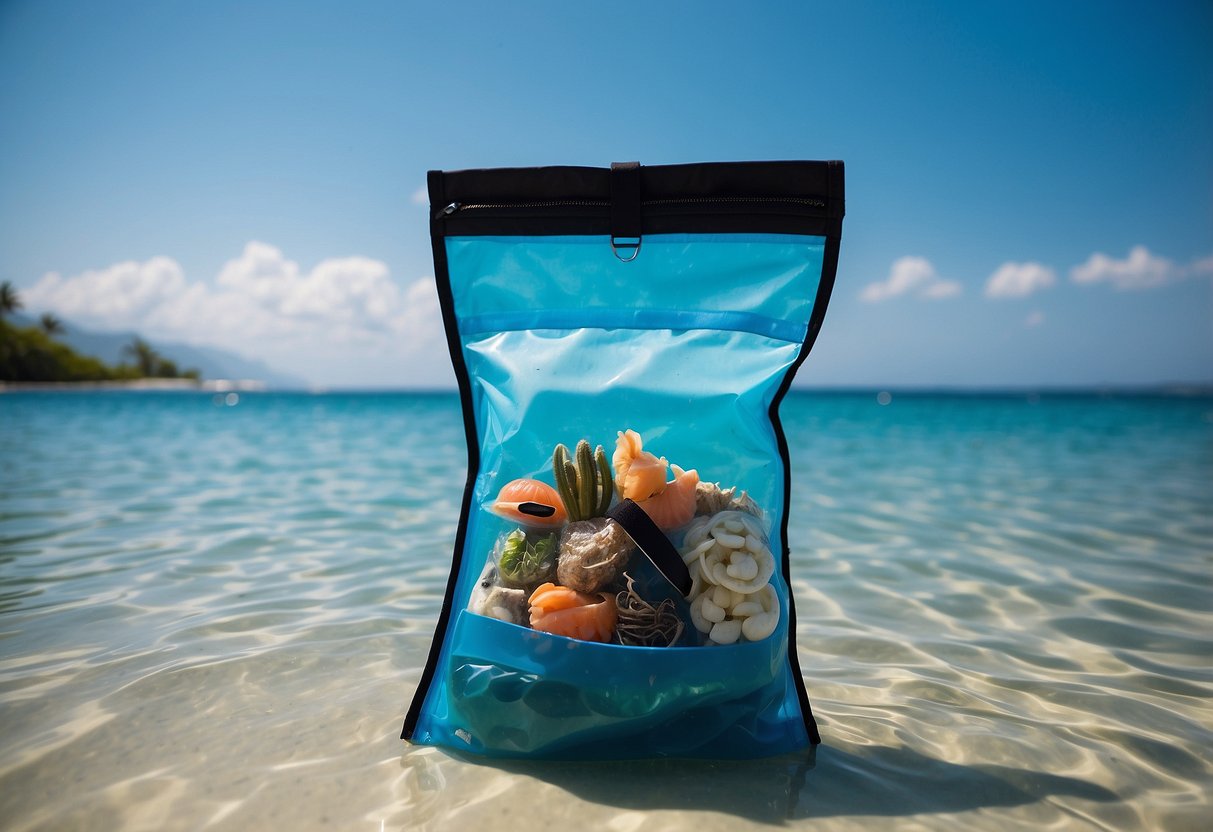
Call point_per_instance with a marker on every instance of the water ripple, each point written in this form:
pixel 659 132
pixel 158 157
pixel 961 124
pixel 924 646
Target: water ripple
pixel 214 617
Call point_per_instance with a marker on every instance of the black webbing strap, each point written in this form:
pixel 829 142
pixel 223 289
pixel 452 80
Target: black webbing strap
pixel 655 545
pixel 625 210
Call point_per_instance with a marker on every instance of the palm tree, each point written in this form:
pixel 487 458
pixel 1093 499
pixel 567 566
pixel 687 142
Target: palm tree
pixel 145 356
pixel 50 324
pixel 9 300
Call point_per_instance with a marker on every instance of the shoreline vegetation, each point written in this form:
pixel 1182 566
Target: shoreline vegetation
pixel 155 385
pixel 32 355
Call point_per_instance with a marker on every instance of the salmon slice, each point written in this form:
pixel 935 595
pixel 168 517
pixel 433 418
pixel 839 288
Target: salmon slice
pixel 530 503
pixel 565 612
pixel 638 473
pixel 675 506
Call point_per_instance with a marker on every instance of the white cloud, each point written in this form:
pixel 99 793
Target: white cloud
pixel 1140 270
pixel 124 293
pixel 1018 280
pixel 345 313
pixel 1202 266
pixel 940 289
pixel 1034 319
pixel 911 274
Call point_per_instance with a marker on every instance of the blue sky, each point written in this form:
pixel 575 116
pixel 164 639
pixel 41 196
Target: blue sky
pixel 1030 185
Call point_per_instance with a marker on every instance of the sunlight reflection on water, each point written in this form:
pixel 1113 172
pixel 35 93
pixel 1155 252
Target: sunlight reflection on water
pixel 217 616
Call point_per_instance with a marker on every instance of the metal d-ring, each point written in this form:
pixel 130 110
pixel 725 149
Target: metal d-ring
pixel 619 242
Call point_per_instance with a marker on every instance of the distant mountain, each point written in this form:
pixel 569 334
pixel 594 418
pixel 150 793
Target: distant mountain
pixel 212 362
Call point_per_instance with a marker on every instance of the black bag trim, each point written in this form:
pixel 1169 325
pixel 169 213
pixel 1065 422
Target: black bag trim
pixel 446 302
pixel 829 267
pixel 710 197
pixel 653 543
pixel 703 198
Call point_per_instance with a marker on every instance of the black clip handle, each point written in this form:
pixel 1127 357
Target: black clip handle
pixel 653 542
pixel 625 210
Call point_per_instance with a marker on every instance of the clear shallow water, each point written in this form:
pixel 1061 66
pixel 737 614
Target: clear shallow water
pixel 214 617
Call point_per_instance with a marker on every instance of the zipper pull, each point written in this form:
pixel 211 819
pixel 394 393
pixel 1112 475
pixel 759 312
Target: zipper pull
pixel 450 209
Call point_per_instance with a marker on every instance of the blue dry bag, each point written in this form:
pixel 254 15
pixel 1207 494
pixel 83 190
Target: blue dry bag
pixel 622 339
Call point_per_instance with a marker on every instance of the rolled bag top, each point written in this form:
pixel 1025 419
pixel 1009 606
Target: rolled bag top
pixel 778 197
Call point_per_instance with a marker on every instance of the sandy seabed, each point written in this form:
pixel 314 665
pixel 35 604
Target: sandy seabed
pixel 215 617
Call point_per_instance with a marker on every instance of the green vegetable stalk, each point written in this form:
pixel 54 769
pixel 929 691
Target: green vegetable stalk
pixel 585 485
pixel 525 564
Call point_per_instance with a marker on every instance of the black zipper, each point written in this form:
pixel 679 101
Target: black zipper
pixel 802 204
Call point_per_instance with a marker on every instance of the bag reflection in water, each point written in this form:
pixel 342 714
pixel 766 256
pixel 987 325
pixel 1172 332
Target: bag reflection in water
pixel 622 340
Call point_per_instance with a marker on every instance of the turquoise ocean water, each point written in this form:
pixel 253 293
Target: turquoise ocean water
pixel 214 612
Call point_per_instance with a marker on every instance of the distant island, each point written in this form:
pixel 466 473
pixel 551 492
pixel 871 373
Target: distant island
pixel 35 353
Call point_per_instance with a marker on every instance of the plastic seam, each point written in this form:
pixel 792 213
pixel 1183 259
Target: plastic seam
pixel 447 303
pixel 825 287
pixel 637 319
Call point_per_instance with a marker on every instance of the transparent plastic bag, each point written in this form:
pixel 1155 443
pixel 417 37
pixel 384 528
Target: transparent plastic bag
pixel 579 304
